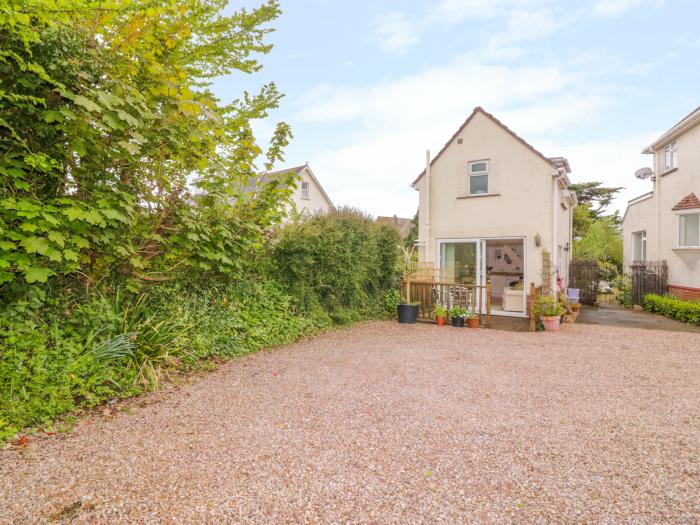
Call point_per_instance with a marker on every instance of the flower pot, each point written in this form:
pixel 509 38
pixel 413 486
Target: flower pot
pixel 473 322
pixel 440 321
pixel 569 318
pixel 551 324
pixel 408 313
pixel 458 322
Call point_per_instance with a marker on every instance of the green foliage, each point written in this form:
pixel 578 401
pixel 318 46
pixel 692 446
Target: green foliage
pixel 597 235
pixel 459 311
pixel 440 310
pixel 594 197
pixel 342 263
pixel 684 311
pixel 412 237
pixel 602 242
pixel 548 306
pixel 106 115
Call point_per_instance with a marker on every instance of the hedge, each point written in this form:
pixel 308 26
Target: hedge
pixel 684 311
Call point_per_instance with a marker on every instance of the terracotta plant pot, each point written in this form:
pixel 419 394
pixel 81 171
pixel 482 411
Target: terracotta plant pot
pixel 551 324
pixel 473 322
pixel 440 321
pixel 569 318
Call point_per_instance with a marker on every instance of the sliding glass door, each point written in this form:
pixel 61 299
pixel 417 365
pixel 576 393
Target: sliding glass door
pixel 462 261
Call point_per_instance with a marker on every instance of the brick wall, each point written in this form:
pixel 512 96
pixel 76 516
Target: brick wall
pixel 684 292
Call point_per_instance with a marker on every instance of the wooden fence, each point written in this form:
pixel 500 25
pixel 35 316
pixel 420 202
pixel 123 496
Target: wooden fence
pixel 429 293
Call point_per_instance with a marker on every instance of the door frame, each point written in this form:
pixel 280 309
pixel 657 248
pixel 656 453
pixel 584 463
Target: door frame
pixel 481 263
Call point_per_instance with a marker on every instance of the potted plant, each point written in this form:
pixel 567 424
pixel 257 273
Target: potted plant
pixel 408 313
pixel 473 319
pixel 550 311
pixel 458 314
pixel 440 313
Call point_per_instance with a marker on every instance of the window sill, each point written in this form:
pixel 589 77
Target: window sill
pixel 669 171
pixel 305 198
pixel 478 196
pixel 686 248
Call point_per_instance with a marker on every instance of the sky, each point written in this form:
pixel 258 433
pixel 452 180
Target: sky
pixel 371 85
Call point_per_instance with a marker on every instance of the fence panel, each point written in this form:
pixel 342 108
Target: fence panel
pixel 648 277
pixel 585 275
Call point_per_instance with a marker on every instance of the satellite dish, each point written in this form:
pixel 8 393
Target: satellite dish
pixel 643 173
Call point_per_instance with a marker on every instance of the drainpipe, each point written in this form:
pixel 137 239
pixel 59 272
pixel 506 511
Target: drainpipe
pixel 428 244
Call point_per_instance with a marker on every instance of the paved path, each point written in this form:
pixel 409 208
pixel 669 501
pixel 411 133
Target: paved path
pixel 630 318
pixel 388 423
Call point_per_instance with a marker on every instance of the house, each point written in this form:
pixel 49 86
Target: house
pixel 309 197
pixel 664 224
pixel 404 226
pixel 493 207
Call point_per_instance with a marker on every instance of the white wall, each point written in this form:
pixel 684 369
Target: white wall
pixel 657 217
pixel 519 203
pixel 316 201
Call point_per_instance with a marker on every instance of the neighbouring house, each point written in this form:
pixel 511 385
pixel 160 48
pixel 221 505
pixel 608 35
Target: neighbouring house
pixel 492 207
pixel 664 224
pixel 309 197
pixel 404 226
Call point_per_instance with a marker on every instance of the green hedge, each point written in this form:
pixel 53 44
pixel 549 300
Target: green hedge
pixel 684 311
pixel 343 264
pixel 62 350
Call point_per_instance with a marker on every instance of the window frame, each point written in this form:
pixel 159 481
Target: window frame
pixel 643 239
pixel 678 231
pixel 486 173
pixel 305 187
pixel 671 156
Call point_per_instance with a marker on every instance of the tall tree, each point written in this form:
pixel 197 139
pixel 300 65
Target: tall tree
pixel 115 156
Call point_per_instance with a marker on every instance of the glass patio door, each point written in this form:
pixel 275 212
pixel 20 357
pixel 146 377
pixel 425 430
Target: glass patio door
pixel 461 261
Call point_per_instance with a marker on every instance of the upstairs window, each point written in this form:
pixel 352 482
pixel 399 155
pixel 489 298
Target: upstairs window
pixel 671 156
pixel 479 177
pixel 639 245
pixel 689 230
pixel 305 190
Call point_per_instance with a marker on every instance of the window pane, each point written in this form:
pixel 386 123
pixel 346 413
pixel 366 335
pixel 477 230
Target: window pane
pixel 478 184
pixel 459 261
pixel 690 230
pixel 639 246
pixel 478 167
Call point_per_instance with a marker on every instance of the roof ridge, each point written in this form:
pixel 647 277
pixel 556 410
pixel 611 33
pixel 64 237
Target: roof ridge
pixel 479 109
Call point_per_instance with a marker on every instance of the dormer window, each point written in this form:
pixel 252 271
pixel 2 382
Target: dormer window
pixel 305 190
pixel 479 177
pixel 671 156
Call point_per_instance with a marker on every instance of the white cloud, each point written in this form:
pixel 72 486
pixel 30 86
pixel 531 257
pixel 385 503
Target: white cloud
pixel 397 120
pixel 613 161
pixel 618 7
pixel 395 32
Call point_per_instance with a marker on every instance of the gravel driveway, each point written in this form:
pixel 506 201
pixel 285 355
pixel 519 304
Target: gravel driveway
pixel 385 423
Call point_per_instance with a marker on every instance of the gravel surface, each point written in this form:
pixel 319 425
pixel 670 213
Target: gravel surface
pixel 388 423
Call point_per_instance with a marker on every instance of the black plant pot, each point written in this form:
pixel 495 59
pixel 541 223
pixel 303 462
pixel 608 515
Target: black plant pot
pixel 458 322
pixel 408 313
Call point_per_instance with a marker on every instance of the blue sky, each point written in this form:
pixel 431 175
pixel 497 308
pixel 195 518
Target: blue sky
pixel 370 85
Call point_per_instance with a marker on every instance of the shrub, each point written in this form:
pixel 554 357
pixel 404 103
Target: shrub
pixel 548 306
pixel 685 311
pixel 342 264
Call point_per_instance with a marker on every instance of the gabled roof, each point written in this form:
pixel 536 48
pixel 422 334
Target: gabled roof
pixel 555 162
pixel 691 120
pixel 403 225
pixel 689 202
pixel 296 170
